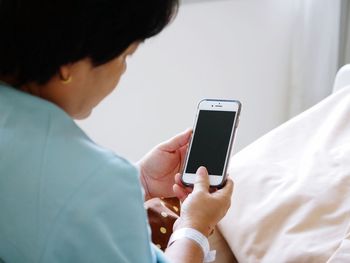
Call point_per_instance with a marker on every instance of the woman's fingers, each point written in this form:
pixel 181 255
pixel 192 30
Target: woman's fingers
pixel 202 184
pixel 176 142
pixel 180 192
pixel 179 182
pixel 178 179
pixel 186 190
pixel 224 194
pixel 227 190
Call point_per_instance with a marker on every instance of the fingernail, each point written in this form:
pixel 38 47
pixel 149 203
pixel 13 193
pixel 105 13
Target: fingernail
pixel 188 130
pixel 202 170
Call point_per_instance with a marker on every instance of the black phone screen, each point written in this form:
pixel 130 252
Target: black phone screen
pixel 211 141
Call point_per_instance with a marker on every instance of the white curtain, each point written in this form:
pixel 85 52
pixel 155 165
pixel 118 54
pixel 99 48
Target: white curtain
pixel 344 54
pixel 315 52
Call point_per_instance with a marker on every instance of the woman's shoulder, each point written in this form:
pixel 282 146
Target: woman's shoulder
pixel 21 101
pixel 44 130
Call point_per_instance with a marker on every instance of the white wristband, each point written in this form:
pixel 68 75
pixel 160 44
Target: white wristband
pixel 198 237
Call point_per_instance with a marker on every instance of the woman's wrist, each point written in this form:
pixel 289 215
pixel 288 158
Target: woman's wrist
pixel 204 229
pixel 197 237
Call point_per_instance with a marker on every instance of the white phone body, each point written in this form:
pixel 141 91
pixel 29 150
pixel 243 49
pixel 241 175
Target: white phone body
pixel 213 136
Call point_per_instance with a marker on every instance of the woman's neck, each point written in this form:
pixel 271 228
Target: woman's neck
pixel 11 81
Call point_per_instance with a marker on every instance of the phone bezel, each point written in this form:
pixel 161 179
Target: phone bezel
pixel 188 179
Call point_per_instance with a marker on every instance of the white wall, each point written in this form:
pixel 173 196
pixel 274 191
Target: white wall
pixel 220 49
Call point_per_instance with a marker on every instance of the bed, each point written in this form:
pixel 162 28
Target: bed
pixel 292 188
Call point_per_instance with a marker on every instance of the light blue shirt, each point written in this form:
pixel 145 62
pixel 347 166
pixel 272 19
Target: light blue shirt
pixel 62 197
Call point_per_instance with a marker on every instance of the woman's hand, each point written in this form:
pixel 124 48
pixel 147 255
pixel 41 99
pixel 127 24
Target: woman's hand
pixel 159 167
pixel 201 209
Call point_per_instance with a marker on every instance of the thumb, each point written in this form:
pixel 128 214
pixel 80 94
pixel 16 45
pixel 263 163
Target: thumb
pixel 202 180
pixel 177 141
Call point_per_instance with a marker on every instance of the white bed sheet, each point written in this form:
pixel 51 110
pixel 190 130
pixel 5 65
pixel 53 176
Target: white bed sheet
pixel 292 190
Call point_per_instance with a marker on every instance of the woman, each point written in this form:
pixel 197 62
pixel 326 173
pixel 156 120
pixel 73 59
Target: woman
pixel 62 197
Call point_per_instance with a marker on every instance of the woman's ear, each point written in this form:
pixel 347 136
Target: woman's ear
pixel 65 74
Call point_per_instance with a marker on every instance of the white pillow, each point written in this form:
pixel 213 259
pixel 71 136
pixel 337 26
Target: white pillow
pixel 292 190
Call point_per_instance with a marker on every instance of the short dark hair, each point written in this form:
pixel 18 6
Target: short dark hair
pixel 37 37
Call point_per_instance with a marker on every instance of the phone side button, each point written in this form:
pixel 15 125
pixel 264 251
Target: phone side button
pixel 237 122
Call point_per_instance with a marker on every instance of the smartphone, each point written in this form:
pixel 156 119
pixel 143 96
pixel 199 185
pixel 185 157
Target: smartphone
pixel 211 144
